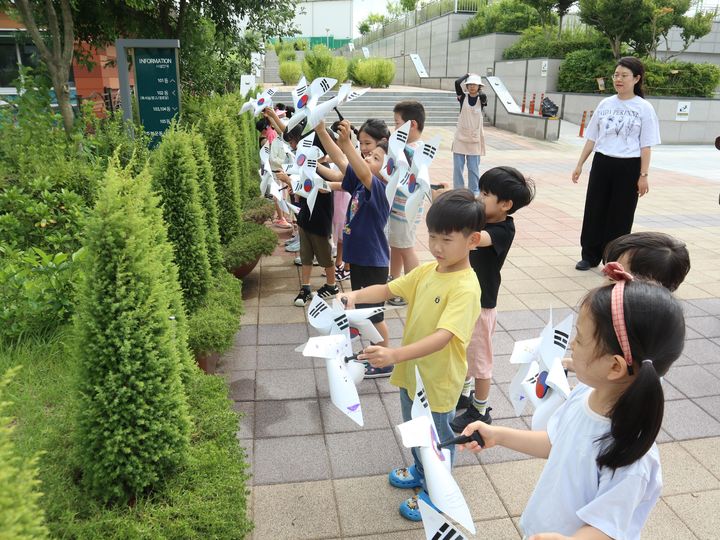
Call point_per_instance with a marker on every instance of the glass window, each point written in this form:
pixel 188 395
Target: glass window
pixel 8 64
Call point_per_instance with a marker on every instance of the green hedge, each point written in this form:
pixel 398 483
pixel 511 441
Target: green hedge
pixel 373 72
pixel 253 242
pixel 320 62
pixel 539 42
pixel 290 72
pixel 213 326
pixel 286 55
pixel 502 16
pixel 580 69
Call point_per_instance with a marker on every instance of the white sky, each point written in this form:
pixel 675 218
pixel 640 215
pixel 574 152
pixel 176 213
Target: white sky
pixel 362 8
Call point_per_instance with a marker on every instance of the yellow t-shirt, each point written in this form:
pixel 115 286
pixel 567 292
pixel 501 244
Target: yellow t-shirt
pixel 437 300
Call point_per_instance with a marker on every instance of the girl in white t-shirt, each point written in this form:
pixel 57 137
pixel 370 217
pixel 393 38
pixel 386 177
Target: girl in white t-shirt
pixel 603 476
pixel 622 131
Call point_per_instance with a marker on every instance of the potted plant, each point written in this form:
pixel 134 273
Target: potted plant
pixel 243 252
pixel 258 210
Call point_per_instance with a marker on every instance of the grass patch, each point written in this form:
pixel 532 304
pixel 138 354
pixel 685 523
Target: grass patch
pixel 206 499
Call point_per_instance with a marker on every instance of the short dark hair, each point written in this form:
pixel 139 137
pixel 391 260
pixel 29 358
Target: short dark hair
pixel 383 145
pixel 508 184
pixel 653 255
pixel 411 110
pixel 295 134
pixel 457 210
pixel 637 68
pixel 375 128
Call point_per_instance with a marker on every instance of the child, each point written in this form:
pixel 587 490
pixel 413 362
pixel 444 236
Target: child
pixel 504 190
pixel 443 303
pixel 401 233
pixel 469 141
pixel 603 475
pixel 365 246
pixel 651 255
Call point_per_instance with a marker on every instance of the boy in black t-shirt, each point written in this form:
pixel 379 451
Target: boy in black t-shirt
pixel 504 190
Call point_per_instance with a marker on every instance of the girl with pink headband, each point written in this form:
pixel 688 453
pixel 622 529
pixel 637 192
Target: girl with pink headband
pixel 603 476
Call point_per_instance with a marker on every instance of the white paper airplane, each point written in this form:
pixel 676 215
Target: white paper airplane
pixel 342 377
pixel 435 525
pixel 261 101
pixel 308 98
pixel 415 183
pixel 335 319
pixel 442 488
pixel 541 379
pixel 345 94
pixel 396 163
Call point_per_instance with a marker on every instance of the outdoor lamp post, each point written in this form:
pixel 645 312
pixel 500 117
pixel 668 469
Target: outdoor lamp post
pixel 327 37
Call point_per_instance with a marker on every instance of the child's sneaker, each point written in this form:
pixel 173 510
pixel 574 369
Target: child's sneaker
pixel 471 415
pixel 282 223
pixel 405 477
pixel 409 508
pixel 341 274
pixel 328 291
pixel 303 297
pixel 294 246
pixel 377 372
pixel 463 402
pixel 291 240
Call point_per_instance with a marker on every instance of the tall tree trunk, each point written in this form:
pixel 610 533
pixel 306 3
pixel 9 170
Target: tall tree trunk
pixel 58 56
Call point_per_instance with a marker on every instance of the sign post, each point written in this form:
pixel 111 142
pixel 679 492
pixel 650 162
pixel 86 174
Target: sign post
pixel 157 82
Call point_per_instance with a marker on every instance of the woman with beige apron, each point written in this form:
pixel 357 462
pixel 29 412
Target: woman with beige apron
pixel 469 141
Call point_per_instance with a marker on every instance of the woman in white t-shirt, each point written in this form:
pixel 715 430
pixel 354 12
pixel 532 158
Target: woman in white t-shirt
pixel 603 477
pixel 622 131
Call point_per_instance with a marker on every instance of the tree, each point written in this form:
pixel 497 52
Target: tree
pixel 409 5
pixel 57 50
pixel 618 20
pixel 692 28
pixel 374 21
pixel 562 7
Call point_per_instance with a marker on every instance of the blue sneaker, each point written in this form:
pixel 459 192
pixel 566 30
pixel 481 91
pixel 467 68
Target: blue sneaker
pixel 377 372
pixel 405 478
pixel 409 508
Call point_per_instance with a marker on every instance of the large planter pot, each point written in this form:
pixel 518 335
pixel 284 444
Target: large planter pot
pixel 207 361
pixel 241 271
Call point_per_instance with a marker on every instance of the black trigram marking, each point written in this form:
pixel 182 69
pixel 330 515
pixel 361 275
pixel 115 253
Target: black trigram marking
pixel 307 143
pixel 312 163
pixel 447 532
pixel 429 151
pixel 342 322
pixel 301 90
pixel 401 136
pixel 423 399
pixel 561 339
pixel 270 92
pixel 353 95
pixel 405 179
pixel 324 85
pixel 317 310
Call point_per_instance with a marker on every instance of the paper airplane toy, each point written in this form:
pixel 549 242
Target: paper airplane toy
pixel 308 182
pixel 435 525
pixel 305 98
pixel 335 319
pixel 345 94
pixel 415 183
pixel 541 379
pixel 421 433
pixel 396 163
pixel 261 101
pixel 342 375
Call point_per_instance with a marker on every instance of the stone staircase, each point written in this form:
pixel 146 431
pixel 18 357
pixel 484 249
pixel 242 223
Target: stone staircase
pixel 271 69
pixel 441 108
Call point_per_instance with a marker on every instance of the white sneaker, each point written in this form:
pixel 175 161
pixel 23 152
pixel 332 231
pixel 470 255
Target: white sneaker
pixel 295 246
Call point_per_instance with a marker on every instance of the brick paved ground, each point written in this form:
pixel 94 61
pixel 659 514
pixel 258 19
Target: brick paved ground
pixel 317 475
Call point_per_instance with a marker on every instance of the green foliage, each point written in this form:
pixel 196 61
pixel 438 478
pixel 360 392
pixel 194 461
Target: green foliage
pixel 258 210
pixel 214 325
pixel 301 44
pixel 20 515
pixel 206 499
pixel 680 79
pixel 580 69
pixel 620 21
pixel 501 16
pixel 290 72
pixel 132 418
pixel 36 292
pixel 287 55
pixel 208 201
pixel 374 72
pixel 175 180
pixel 539 42
pixel 222 149
pixel 320 62
pixel 253 242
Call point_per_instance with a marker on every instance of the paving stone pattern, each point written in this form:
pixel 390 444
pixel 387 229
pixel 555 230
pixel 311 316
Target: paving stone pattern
pixel 315 474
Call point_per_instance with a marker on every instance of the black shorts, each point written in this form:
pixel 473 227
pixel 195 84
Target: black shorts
pixel 365 276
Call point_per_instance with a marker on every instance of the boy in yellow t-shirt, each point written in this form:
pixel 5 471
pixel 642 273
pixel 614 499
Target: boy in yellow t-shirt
pixel 443 304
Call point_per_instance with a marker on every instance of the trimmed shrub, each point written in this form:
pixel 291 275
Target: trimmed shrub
pixel 208 201
pixel 223 152
pixel 133 424
pixel 580 69
pixel 258 210
pixel 375 72
pixel 213 326
pixel 539 42
pixel 20 515
pixel 320 62
pixel 174 174
pixel 502 16
pixel 290 72
pixel 253 242
pixel 352 66
pixel 680 78
pixel 286 55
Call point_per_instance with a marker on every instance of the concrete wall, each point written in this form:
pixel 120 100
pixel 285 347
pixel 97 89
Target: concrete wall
pixel 337 15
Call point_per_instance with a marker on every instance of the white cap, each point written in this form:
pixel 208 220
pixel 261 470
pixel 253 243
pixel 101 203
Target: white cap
pixel 474 79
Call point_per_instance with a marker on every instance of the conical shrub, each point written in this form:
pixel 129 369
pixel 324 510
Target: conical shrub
pixel 222 150
pixel 175 179
pixel 21 518
pixel 208 200
pixel 133 424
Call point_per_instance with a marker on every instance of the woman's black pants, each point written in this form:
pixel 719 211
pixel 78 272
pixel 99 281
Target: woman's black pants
pixel 609 204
